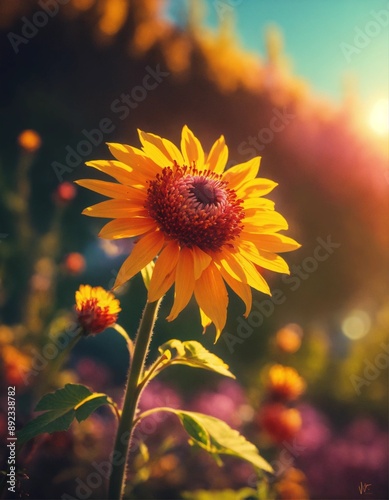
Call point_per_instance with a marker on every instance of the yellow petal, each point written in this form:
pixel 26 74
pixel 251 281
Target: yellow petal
pixel 161 151
pixel 264 221
pixel 253 277
pixel 239 174
pixel 257 204
pixel 273 242
pixel 184 282
pixel 144 251
pixel 205 321
pixel 211 295
pixel 241 289
pixel 231 265
pixel 84 292
pixel 191 148
pixel 201 261
pixel 147 272
pixel 111 189
pixel 127 228
pixel 241 269
pixel 255 188
pixel 173 151
pixel 116 208
pixel 135 158
pixel 164 271
pixel 118 171
pixel 266 260
pixel 218 156
pixel 218 333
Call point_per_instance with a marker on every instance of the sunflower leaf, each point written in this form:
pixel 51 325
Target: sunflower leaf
pixel 61 408
pixel 192 353
pixel 218 438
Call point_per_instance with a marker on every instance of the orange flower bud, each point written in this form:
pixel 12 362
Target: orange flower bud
pixel 65 192
pixel 293 485
pixel 288 338
pixel 279 422
pixel 74 263
pixel 285 383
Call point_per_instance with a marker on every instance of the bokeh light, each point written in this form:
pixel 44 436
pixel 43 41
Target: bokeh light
pixel 356 324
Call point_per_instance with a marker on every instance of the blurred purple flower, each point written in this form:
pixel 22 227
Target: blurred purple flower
pixel 336 465
pixel 159 394
pixel 154 428
pixel 315 430
pixel 227 402
pixel 94 374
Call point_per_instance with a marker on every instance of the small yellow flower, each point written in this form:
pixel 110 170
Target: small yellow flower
pixel 206 226
pixel 285 383
pixel 96 309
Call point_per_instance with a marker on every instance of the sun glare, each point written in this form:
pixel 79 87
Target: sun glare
pixel 379 117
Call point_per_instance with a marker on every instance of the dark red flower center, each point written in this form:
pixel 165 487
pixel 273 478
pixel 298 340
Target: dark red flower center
pixel 195 208
pixel 93 318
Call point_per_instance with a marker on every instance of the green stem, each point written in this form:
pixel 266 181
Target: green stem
pixel 147 413
pixel 153 371
pixel 126 424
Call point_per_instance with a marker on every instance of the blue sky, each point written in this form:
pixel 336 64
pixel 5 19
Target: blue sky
pixel 322 39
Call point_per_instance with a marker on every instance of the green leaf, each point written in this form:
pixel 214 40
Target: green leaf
pixel 196 431
pixel 221 438
pixel 61 407
pixel 218 438
pixel 192 353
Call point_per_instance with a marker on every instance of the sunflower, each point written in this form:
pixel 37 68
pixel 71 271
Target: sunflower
pixel 206 227
pixel 96 309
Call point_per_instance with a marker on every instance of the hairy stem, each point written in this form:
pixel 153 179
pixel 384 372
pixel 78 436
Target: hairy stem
pixel 126 423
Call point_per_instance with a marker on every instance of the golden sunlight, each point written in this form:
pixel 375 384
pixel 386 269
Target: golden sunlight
pixel 379 117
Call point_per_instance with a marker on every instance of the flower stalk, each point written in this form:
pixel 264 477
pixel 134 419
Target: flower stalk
pixel 133 391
